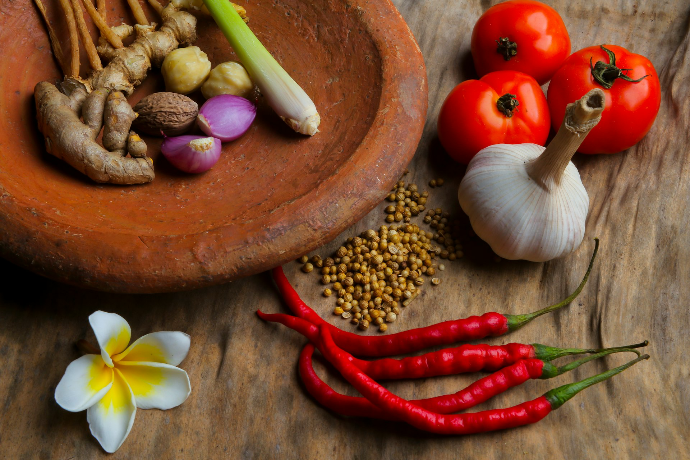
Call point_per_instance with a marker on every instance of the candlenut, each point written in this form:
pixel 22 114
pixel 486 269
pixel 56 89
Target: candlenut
pixel 185 69
pixel 228 78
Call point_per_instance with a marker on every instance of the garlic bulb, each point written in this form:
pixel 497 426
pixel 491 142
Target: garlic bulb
pixel 527 201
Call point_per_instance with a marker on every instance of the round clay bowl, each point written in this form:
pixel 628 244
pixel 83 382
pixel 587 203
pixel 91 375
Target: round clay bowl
pixel 273 196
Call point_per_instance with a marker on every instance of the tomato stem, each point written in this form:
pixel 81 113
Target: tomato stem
pixel 506 48
pixel 507 103
pixel 606 74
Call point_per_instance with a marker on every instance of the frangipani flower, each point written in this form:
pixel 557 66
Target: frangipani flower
pixel 112 385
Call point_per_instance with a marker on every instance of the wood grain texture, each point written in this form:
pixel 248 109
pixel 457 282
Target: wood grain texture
pixel 246 399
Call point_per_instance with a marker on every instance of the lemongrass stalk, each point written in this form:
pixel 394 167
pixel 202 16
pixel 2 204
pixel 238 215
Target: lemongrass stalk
pixel 285 96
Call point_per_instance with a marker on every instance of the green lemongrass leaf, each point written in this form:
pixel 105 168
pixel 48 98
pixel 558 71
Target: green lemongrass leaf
pixel 282 93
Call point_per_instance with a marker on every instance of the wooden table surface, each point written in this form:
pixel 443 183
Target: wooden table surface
pixel 247 401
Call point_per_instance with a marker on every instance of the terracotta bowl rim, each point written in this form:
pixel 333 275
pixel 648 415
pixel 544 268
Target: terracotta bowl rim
pixel 390 135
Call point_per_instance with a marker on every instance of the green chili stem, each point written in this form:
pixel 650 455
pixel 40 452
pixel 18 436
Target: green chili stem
pixel 517 321
pixel 558 396
pixel 549 370
pixel 546 353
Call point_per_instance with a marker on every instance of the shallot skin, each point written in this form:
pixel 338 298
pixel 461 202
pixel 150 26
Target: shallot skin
pixel 192 154
pixel 226 117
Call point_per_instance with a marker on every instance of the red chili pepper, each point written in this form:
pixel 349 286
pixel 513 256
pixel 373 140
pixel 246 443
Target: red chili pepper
pixel 478 392
pixel 450 361
pixel 445 333
pixel 490 420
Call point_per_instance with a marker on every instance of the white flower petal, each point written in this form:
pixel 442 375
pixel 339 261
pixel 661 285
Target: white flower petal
pixel 112 332
pixel 85 382
pixel 169 347
pixel 111 418
pixel 156 385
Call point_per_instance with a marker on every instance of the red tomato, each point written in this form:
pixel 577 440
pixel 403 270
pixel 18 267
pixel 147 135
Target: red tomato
pixel 522 35
pixel 471 118
pixel 630 107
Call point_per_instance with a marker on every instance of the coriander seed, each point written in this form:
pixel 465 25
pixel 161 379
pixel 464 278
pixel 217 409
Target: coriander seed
pixel 307 268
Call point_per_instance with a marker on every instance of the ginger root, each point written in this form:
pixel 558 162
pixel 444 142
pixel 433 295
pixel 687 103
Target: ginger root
pixel 100 101
pixel 69 139
pixel 128 66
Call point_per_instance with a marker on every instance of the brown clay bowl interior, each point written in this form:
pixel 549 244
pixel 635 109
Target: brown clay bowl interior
pixel 272 196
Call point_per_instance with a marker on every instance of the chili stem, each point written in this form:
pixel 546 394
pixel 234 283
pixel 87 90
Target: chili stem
pixel 547 353
pixel 517 321
pixel 558 396
pixel 549 370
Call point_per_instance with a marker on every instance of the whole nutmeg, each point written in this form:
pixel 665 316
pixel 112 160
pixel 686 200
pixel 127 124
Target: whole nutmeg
pixel 171 113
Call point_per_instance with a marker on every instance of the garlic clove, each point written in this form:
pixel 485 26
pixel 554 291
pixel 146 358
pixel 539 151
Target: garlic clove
pixel 518 218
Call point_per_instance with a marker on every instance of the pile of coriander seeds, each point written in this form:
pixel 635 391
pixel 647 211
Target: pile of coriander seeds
pixel 377 274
